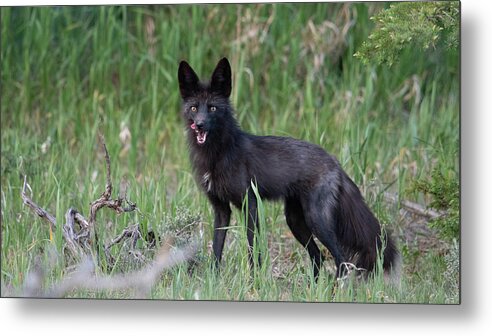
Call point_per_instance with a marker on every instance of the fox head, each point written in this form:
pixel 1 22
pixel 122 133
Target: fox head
pixel 205 104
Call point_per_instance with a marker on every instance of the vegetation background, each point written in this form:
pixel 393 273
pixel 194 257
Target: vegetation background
pixel 69 71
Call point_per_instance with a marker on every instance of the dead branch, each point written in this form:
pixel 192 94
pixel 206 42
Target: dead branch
pixel 109 185
pixel 414 207
pixel 36 208
pixel 71 216
pixel 77 230
pixel 105 199
pixel 142 281
pixel 132 232
pixel 84 276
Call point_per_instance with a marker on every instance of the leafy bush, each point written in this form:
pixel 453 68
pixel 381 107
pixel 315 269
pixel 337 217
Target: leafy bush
pixel 444 188
pixel 181 226
pixel 421 24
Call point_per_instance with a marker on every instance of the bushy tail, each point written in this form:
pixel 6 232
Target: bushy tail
pixel 360 232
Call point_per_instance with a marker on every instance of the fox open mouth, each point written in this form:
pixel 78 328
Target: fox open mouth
pixel 201 136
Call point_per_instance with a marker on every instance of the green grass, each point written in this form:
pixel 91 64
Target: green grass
pixel 67 71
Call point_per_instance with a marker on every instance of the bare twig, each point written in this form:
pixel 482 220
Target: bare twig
pixel 68 229
pixel 109 185
pixel 142 281
pixel 105 199
pixel 414 207
pixel 36 208
pixel 128 232
pixel 132 232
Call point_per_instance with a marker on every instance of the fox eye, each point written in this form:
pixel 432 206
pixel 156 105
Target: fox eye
pixel 213 109
pixel 193 109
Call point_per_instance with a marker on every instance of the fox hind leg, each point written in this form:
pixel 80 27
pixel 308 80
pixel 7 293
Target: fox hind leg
pixel 319 207
pixel 297 224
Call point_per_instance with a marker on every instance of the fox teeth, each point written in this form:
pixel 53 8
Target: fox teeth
pixel 201 137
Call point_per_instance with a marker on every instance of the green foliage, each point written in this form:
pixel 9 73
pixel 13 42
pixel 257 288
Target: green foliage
pixel 411 24
pixel 443 186
pixel 182 226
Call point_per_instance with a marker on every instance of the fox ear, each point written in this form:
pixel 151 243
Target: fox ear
pixel 221 78
pixel 188 80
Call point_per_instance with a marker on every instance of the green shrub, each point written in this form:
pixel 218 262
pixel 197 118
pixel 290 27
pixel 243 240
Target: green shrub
pixel 443 186
pixel 419 24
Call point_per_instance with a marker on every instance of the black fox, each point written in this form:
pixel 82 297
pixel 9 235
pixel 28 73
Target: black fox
pixel 320 199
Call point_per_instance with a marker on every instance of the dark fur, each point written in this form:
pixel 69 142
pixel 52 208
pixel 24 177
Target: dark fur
pixel 320 199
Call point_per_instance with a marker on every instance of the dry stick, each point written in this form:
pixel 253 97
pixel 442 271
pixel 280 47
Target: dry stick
pixel 36 208
pixel 105 199
pixel 68 229
pixel 109 184
pixel 75 241
pixel 414 207
pixel 133 231
pixel 126 233
pixel 67 234
pixel 142 280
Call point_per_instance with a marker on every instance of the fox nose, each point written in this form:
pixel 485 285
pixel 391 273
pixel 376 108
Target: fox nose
pixel 199 125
